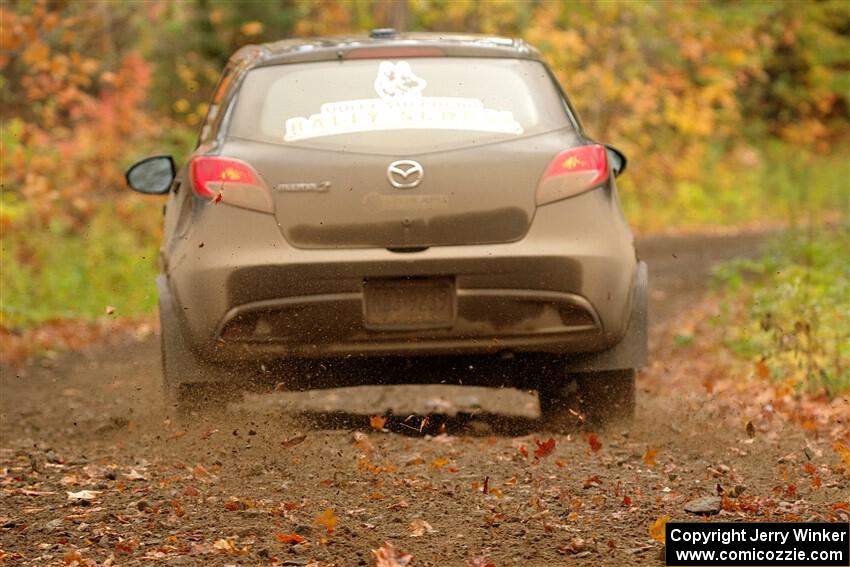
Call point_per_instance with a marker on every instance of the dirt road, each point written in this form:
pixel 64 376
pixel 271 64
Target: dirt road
pixel 257 487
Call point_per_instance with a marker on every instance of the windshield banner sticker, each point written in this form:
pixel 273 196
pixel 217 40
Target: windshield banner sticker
pixel 401 106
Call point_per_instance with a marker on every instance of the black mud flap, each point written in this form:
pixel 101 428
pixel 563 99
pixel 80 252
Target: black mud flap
pixel 179 364
pixel 631 352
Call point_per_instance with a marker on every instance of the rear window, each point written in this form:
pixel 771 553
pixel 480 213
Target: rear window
pixel 397 105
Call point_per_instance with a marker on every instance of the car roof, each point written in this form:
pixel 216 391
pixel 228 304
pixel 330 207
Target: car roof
pixel 337 47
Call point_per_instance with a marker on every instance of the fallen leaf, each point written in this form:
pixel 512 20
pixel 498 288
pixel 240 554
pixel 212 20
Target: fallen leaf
pixel 439 463
pixel 83 496
pixel 656 530
pixel 72 556
pixel 523 451
pixel 843 453
pixel 486 486
pixel 293 441
pixel 135 475
pixel 326 519
pixel 627 501
pixel 594 442
pixel 762 370
pixel 388 556
pixel 179 511
pixel 228 547
pixel 650 455
pixel 576 545
pixel 480 562
pixel 751 429
pixel 289 538
pixel 127 547
pixel 420 527
pixel 28 492
pixel 816 482
pixel 361 441
pixel 544 449
pixel 377 422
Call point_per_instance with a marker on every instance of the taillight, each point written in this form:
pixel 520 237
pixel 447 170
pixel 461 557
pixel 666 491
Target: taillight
pixel 230 181
pixel 572 172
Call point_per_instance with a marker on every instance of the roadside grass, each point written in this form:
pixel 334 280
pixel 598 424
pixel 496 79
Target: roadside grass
pixel 789 311
pixel 59 273
pixel 776 184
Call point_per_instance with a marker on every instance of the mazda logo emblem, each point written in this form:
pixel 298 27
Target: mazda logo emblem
pixel 405 174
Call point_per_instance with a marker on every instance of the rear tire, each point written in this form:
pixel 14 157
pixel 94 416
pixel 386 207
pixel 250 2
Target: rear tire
pixel 591 399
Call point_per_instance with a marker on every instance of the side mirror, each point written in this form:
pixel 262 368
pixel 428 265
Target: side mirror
pixel 152 175
pixel 617 159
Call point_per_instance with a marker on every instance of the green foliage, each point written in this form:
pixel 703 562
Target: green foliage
pixel 681 341
pixel 59 273
pixel 791 309
pixel 194 44
pixel 806 69
pixel 774 182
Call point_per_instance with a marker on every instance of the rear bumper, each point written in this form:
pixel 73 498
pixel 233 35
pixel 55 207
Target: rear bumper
pixel 487 320
pixel 567 287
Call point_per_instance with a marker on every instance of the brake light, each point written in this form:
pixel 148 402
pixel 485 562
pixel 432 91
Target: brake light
pixel 572 172
pixel 398 52
pixel 230 181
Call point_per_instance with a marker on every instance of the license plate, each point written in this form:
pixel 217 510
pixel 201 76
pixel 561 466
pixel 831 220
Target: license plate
pixel 409 304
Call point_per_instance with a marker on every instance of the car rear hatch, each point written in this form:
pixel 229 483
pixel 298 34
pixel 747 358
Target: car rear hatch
pixel 400 154
pixel 470 196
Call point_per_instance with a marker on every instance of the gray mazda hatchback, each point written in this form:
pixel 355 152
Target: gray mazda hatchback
pixel 398 195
